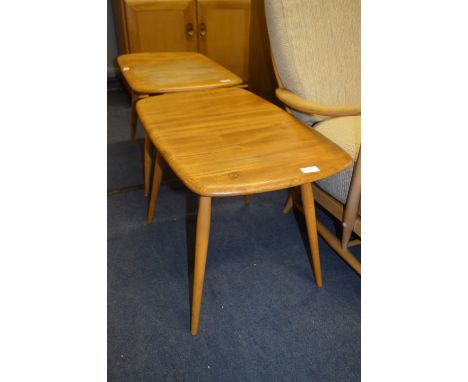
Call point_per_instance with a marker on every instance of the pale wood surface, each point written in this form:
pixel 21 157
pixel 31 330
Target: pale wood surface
pixel 223 30
pixel 161 25
pixel 133 116
pixel 226 142
pixel 309 213
pixel 201 250
pixel 157 176
pixel 166 72
pixel 300 104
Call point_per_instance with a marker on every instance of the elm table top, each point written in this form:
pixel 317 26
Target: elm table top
pixel 166 72
pixel 228 141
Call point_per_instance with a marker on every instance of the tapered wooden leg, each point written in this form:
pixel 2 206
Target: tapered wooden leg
pixel 157 175
pixel 309 212
pixel 352 204
pixel 247 198
pixel 201 250
pixel 147 162
pixel 289 203
pixel 293 194
pixel 133 114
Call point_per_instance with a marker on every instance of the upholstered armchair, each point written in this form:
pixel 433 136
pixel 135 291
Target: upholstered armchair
pixel 315 46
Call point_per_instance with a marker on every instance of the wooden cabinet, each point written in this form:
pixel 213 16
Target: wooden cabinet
pixel 217 28
pixel 224 33
pixel 161 26
pixel 261 73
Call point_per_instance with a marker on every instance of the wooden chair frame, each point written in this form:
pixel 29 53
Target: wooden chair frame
pixel 347 214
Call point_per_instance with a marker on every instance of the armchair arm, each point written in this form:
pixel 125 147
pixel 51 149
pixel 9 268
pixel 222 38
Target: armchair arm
pixel 300 104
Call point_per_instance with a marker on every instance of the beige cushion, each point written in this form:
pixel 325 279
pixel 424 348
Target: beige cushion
pixel 316 45
pixel 346 133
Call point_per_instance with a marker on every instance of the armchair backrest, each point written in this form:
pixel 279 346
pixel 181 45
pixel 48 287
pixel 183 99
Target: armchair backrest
pixel 316 46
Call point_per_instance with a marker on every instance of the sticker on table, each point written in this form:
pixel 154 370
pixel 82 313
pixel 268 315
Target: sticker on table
pixel 307 170
pixel 224 80
pixel 125 68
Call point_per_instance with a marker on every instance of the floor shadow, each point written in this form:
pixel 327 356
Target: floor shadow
pixel 124 165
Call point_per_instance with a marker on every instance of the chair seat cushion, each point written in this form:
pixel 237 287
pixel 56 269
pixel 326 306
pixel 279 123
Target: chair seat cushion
pixel 346 133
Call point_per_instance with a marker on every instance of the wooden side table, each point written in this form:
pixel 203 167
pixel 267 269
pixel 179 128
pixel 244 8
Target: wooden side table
pixel 228 142
pixel 168 72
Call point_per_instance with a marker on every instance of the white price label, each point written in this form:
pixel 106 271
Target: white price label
pixel 307 170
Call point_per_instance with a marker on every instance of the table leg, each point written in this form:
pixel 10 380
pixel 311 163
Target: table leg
pixel 147 162
pixel 133 114
pixel 289 203
pixel 201 249
pixel 157 176
pixel 133 117
pixel 309 213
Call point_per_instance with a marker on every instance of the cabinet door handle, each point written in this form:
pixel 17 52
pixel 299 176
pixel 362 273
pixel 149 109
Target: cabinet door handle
pixel 202 30
pixel 189 29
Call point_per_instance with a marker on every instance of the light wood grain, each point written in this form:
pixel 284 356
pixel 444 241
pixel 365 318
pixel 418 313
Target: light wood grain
pixel 157 176
pixel 300 104
pixel 227 142
pixel 161 25
pixel 309 213
pixel 135 97
pixel 201 250
pixel 223 30
pixel 167 72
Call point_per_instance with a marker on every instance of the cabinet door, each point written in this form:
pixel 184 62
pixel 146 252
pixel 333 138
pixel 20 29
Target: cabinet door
pixel 161 25
pixel 223 29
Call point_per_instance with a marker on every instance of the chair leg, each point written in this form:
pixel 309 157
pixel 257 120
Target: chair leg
pixel 335 243
pixel 147 162
pixel 133 117
pixel 247 198
pixel 309 213
pixel 350 213
pixel 157 176
pixel 201 250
